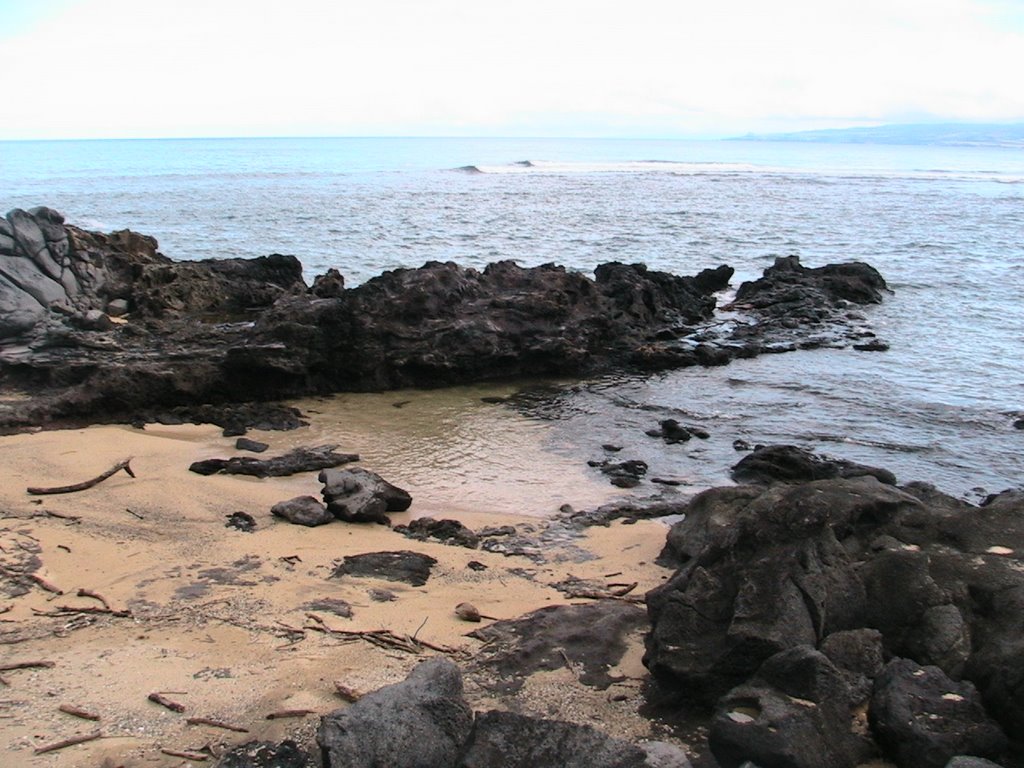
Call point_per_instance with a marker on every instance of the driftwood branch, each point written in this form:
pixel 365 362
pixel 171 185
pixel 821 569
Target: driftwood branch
pixel 290 713
pixel 69 742
pixel 196 756
pixel 383 638
pixel 27 665
pixel 70 709
pixel 125 465
pixel 215 724
pixel 163 701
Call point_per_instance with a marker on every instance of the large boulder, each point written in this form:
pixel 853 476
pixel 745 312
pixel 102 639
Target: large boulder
pixel 797 711
pixel 359 495
pixel 422 721
pixel 924 719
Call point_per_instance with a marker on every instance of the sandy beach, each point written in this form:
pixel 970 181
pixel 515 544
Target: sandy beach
pixel 219 620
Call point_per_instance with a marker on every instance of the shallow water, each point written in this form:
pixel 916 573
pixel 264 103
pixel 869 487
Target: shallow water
pixel 945 226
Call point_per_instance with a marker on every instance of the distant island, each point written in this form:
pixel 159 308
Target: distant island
pixel 935 134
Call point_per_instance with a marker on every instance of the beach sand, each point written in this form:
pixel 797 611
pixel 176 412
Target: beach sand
pixel 210 607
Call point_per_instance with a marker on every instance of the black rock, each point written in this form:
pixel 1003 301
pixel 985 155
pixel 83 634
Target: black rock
pixel 245 444
pixel 788 463
pixel 923 718
pixel 410 567
pixel 241 521
pixel 796 712
pixel 448 531
pixel 291 463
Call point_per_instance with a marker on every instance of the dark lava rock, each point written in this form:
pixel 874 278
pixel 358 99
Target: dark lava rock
pixel 789 289
pixel 509 740
pixel 303 510
pixel 671 431
pixel 202 333
pixel 593 636
pixel 245 444
pixel 923 718
pixel 291 463
pixel 796 711
pixel 762 571
pixel 266 754
pixel 788 463
pixel 422 721
pixel 448 531
pixel 331 605
pixel 625 474
pixel 358 495
pixel 410 567
pixel 241 521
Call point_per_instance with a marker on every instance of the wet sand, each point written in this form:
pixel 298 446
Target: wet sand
pixel 214 617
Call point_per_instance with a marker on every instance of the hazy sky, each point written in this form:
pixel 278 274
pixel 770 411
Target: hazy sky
pixel 147 68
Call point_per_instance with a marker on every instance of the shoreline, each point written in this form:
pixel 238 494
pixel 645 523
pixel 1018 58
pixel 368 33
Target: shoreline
pixel 210 606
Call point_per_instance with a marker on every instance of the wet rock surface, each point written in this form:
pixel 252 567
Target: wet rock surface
pixel 210 333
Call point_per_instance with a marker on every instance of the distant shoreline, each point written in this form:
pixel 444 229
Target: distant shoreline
pixel 1006 135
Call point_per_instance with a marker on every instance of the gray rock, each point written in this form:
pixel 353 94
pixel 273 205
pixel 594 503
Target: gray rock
pixel 265 754
pixel 965 761
pixel 117 307
pixel 303 510
pixel 358 495
pixel 421 722
pixel 40 286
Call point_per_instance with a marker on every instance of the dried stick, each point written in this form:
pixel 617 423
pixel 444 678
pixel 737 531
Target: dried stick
pixel 290 713
pixel 197 756
pixel 163 701
pixel 27 665
pixel 45 584
pixel 69 742
pixel 95 596
pixel 78 712
pixel 35 491
pixel 215 724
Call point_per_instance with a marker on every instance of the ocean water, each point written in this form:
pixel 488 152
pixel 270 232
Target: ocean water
pixel 945 226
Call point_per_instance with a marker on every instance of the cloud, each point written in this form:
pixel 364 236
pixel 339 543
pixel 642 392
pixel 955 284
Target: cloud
pixel 399 67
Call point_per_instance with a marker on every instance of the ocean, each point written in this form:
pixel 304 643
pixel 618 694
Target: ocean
pixel 945 227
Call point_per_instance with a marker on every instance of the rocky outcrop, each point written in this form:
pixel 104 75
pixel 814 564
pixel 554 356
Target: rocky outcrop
pixel 425 721
pixel 789 595
pixel 241 330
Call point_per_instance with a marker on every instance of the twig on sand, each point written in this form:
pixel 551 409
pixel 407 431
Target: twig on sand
pixel 71 709
pixel 27 665
pixel 163 701
pixel 69 742
pixel 215 724
pixel 384 638
pixel 95 596
pixel 290 713
pixel 125 465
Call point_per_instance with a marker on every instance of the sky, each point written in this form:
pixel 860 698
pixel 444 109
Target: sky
pixel 630 68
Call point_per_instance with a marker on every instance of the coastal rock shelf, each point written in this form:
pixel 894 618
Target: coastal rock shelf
pixel 104 327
